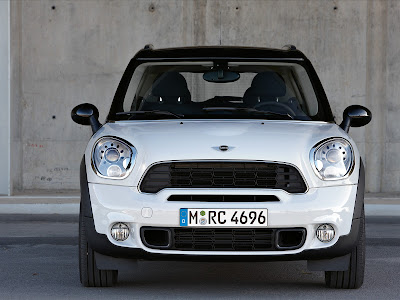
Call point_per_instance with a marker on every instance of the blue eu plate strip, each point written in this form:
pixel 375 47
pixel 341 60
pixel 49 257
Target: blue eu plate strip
pixel 183 215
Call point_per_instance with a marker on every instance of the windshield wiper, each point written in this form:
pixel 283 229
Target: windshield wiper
pixel 149 112
pixel 247 110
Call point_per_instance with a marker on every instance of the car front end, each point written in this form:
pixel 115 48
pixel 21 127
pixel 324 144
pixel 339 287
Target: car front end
pixel 175 174
pixel 169 174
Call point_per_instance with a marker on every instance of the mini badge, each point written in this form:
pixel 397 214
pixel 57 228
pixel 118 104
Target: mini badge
pixel 223 148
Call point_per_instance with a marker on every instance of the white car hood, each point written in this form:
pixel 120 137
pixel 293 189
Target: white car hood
pixel 248 140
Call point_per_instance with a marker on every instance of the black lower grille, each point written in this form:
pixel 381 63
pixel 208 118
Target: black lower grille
pixel 225 239
pixel 222 175
pixel 224 198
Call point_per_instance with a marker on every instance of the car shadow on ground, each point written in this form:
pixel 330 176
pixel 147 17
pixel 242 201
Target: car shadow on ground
pixel 211 275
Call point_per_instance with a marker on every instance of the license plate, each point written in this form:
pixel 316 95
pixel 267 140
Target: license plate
pixel 223 217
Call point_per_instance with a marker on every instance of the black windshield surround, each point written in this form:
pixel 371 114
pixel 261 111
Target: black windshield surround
pixel 216 54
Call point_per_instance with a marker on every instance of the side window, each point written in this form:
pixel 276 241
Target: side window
pixel 311 101
pixel 134 86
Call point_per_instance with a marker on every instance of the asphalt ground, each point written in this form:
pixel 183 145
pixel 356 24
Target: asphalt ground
pixel 39 260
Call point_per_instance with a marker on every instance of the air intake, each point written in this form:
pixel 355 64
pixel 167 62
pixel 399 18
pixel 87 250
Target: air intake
pixel 223 175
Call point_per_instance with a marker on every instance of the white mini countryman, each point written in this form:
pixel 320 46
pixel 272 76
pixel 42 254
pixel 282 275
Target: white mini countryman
pixel 221 153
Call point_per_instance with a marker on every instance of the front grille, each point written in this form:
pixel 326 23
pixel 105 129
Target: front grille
pixel 222 175
pixel 223 239
pixel 224 198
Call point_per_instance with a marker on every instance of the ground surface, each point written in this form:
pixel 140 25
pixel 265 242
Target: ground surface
pixel 40 262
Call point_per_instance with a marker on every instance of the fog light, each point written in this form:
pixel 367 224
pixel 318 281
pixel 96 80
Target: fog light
pixel 325 233
pixel 120 231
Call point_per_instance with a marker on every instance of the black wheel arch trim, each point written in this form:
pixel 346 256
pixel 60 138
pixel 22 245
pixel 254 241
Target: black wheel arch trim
pixel 85 196
pixel 359 204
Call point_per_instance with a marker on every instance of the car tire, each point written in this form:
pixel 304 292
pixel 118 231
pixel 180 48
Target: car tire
pixel 353 278
pixel 90 276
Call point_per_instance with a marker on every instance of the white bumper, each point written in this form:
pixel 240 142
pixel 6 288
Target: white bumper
pixel 333 205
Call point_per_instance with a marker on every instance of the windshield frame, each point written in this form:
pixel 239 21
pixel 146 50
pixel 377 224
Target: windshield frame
pixel 324 111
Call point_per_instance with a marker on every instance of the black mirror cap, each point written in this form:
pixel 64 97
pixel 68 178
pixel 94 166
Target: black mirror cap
pixel 355 116
pixel 82 113
pixel 86 114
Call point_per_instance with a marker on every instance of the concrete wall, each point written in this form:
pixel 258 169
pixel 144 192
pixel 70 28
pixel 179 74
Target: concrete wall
pixel 4 98
pixel 68 52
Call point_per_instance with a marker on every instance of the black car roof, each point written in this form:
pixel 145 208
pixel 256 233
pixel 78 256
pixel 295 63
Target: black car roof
pixel 149 53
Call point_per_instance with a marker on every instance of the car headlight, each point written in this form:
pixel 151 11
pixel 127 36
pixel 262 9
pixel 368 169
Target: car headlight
pixel 332 159
pixel 113 158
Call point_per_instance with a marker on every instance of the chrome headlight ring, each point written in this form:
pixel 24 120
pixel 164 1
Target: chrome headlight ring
pixel 332 159
pixel 113 158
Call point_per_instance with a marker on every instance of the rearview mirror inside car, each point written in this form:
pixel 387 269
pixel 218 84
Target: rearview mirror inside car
pixel 221 76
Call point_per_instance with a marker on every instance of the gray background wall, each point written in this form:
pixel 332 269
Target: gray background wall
pixel 4 97
pixel 67 52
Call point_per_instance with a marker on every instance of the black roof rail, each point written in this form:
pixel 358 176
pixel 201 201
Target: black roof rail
pixel 148 47
pixel 289 47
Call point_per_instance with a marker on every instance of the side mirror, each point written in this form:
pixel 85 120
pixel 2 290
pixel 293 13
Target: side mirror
pixel 86 114
pixel 355 116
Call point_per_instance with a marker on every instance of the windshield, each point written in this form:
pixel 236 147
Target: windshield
pixel 212 90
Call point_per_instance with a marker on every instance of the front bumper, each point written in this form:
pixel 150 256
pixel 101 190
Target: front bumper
pixel 102 246
pixel 333 205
